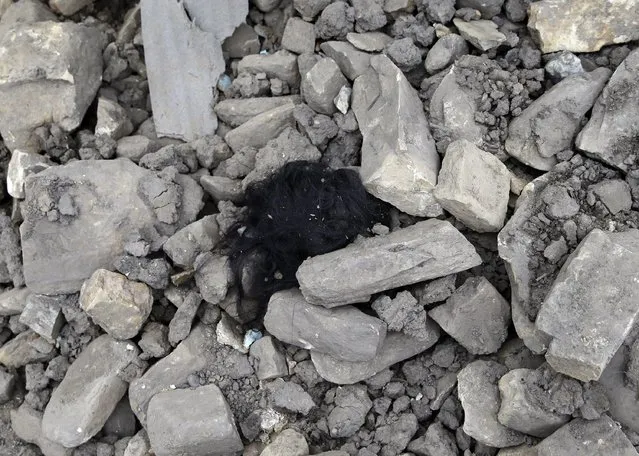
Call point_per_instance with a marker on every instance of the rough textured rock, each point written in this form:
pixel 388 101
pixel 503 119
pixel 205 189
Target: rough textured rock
pixel 7 384
pixel 183 55
pixel 117 304
pixel 27 347
pixel 43 314
pixel 113 120
pixel 186 244
pixel 487 8
pixel 582 26
pixel 212 277
pixel 299 36
pixel 22 165
pixel 236 111
pixel 592 307
pixel 197 422
pixel 259 130
pixel 444 52
pixel 426 250
pixel 58 65
pixel 403 313
pixel 349 415
pixel 23 12
pixel 588 438
pixel 280 65
pixel 27 424
pixel 352 63
pixel 623 406
pixel 397 347
pixel 346 333
pixel 288 442
pixel 522 413
pixel 13 302
pixel 474 186
pixel 321 84
pixel 479 395
pixel 549 125
pixel 242 42
pixel 289 396
pixel 268 359
pixel 369 41
pixel 69 7
pixel 75 221
pixel 611 133
pixel 482 34
pixel 476 316
pixel 91 389
pixel 399 159
pixel 437 441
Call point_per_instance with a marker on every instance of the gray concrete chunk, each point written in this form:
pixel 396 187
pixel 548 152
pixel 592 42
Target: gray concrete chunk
pixel 118 305
pixel 236 111
pixel 22 165
pixel 424 251
pixel 482 34
pixel 397 347
pixel 68 7
pixel 289 396
pixel 186 244
pixel 259 130
pixel 183 55
pixel 582 26
pixel 476 316
pixel 23 12
pixel 113 120
pixel 399 159
pixel 268 359
pixel 57 65
pixel 27 424
pixel 612 131
pixel 479 395
pixel 444 52
pixel 369 41
pixel 242 42
pixel 549 125
pixel 474 186
pixel 281 65
pixel 13 302
pixel 196 422
pixel 27 347
pixel 299 36
pixel 346 333
pixel 321 84
pixel 43 314
pixel 349 415
pixel 352 62
pixel 614 194
pixel 593 304
pixel 288 442
pixel 91 389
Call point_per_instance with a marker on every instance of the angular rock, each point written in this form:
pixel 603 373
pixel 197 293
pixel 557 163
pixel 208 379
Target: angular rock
pixel 23 12
pixel 299 36
pixel 139 445
pixel 612 131
pixel 346 333
pixel 482 34
pixel 289 396
pixel 26 348
pixel 321 84
pixel 259 130
pixel 397 347
pixel 369 15
pixel 22 165
pixel 180 325
pixel 197 422
pixel 43 314
pixel 404 53
pixel 479 395
pixel 487 8
pixel 426 250
pixel 352 62
pixel 154 341
pixel 582 26
pixel 58 65
pixel 549 125
pixel 590 308
pixel 13 302
pixel 27 424
pixel 190 356
pixel 614 194
pixel 396 435
pixel 236 111
pixel 268 359
pixel 352 404
pixel 198 237
pixel 399 159
pixel 183 56
pixel 279 65
pixel 474 186
pixel 135 147
pixel 403 313
pixel 308 9
pixel 222 188
pixel 113 120
pixel 476 316
pixel 520 412
pixel 369 41
pixel 444 52
pixel 437 441
pixel 63 245
pixel 288 442
pixel 115 303
pixel 153 272
pixel 564 65
pixel 7 384
pixel 244 41
pixel 336 21
pixel 68 7
pixel 212 277
pixel 587 438
pixel 91 389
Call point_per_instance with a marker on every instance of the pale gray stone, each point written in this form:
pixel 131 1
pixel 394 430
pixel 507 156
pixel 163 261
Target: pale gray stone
pixel 244 41
pixel 352 62
pixel 369 41
pixel 346 333
pixel 590 308
pixel 7 384
pixel 424 251
pixel 186 244
pixel 212 277
pixel 402 313
pixel 614 194
pixel 582 25
pixel 321 84
pixel 198 422
pixel 476 316
pixel 113 120
pixel 43 314
pixel 21 166
pixel 289 396
pixel 520 412
pixel 299 36
pixel 23 12
pixel 474 186
pixel 68 7
pixel 549 125
pixel 259 130
pixel 268 359
pixel 588 438
pixel 444 52
pixel 308 9
pixel 180 325
pixel 399 159
pixel 623 406
pixel 349 415
pixel 91 389
pixel 611 133
pixel 279 65
pixel 266 6
pixel 479 395
pixel 26 348
pixel 139 445
pixel 563 65
pixel 27 424
pixel 154 341
pixel 487 8
pixel 397 347
pixel 135 147
pixel 288 442
pixel 222 188
pixel 13 302
pixel 183 56
pixel 118 305
pixel 482 34
pixel 438 441
pixel 236 111
pixel 67 61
